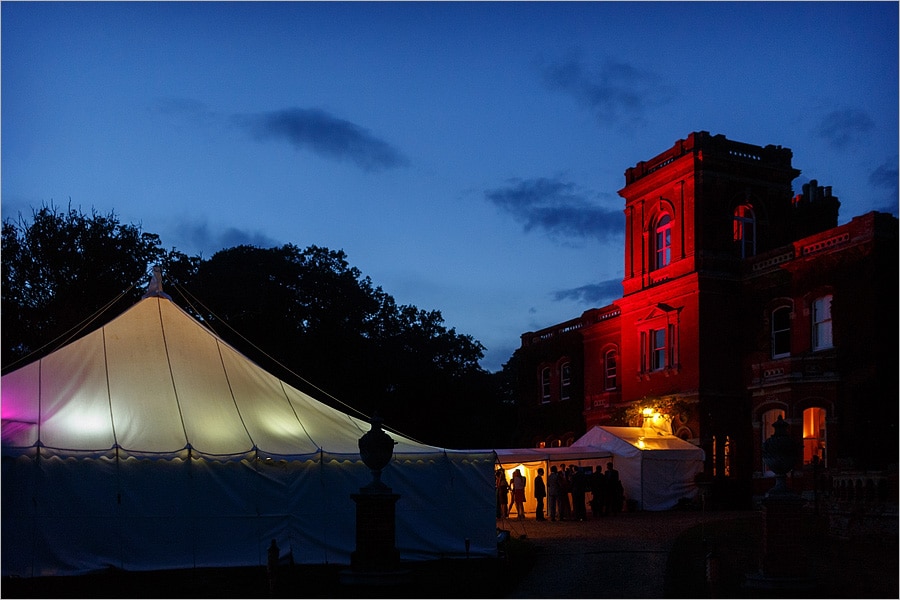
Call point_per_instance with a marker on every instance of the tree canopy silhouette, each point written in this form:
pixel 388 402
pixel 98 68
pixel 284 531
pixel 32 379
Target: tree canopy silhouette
pixel 305 315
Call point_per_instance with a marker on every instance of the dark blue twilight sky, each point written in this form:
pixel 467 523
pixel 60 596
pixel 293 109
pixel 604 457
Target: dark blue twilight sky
pixel 466 156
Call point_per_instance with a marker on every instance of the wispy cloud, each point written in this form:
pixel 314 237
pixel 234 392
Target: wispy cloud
pixel 199 235
pixel 310 129
pixel 326 135
pixel 556 207
pixel 885 177
pixel 597 294
pixel 616 92
pixel 844 127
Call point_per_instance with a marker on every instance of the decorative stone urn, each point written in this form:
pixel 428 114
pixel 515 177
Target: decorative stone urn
pixel 376 449
pixel 780 453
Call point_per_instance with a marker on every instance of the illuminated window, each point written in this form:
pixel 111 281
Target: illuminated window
pixel 663 242
pixel 545 384
pixel 565 381
pixel 745 231
pixel 781 332
pixel 813 434
pixel 768 421
pixel 821 323
pixel 609 370
pixel 727 453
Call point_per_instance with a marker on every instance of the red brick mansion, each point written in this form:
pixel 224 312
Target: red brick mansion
pixel 741 302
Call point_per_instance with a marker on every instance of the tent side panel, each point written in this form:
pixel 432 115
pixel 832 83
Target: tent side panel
pixel 323 516
pixel 629 468
pixel 227 524
pixel 667 481
pixel 445 499
pixel 75 516
pixel 155 515
pixel 18 497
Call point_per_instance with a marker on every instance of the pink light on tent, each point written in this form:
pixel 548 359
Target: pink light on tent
pixel 14 409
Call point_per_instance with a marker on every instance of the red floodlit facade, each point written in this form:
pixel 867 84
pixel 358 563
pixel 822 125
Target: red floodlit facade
pixel 741 302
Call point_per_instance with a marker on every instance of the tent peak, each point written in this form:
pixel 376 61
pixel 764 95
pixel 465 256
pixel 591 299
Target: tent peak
pixel 155 286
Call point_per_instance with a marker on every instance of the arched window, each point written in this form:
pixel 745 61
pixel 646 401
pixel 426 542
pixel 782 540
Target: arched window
pixel 813 434
pixel 609 370
pixel 767 429
pixel 821 323
pixel 663 242
pixel 745 231
pixel 565 381
pixel 545 384
pixel 781 332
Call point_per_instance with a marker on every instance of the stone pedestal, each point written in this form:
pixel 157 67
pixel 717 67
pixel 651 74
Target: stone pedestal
pixel 782 549
pixel 375 533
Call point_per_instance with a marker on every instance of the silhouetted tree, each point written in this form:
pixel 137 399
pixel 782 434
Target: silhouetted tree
pixel 62 269
pixel 305 315
pixel 318 323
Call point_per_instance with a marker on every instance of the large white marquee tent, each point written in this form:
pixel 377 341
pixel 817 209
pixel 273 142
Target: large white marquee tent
pixel 152 444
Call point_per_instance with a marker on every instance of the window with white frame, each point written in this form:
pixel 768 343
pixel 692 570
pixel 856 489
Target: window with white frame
pixel 662 247
pixel 821 323
pixel 545 384
pixel 565 381
pixel 781 332
pixel 745 231
pixel 658 348
pixel 609 370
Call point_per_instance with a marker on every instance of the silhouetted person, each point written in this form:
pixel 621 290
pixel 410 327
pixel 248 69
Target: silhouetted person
pixel 565 507
pixel 502 494
pixel 518 493
pixel 553 492
pixel 599 504
pixel 540 492
pixel 614 492
pixel 579 489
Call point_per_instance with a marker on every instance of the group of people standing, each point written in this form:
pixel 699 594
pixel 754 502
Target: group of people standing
pixel 565 491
